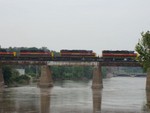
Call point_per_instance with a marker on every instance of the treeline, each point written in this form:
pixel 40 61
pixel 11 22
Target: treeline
pixel 62 72
pixel 17 49
pixel 12 76
pixel 25 48
pixel 72 72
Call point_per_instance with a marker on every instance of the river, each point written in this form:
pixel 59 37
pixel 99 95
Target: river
pixel 119 95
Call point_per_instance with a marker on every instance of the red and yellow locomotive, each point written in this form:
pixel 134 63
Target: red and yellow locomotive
pixel 5 54
pixel 34 54
pixel 77 54
pixel 118 55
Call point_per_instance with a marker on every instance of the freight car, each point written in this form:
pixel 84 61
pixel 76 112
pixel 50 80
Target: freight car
pixel 118 55
pixel 78 55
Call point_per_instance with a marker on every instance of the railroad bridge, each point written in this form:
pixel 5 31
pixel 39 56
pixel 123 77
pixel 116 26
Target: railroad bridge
pixel 46 73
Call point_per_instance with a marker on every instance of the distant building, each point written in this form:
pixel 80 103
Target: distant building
pixel 21 71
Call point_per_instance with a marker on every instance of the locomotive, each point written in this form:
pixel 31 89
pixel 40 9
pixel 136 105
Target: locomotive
pixel 5 54
pixel 118 55
pixel 78 54
pixel 34 54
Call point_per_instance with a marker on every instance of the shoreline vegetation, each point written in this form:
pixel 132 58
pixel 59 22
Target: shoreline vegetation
pixel 12 77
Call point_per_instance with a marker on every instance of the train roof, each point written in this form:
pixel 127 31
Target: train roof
pixel 3 50
pixel 33 50
pixel 117 51
pixel 65 50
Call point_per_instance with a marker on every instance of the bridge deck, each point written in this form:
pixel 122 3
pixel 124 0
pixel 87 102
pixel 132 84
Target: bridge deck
pixel 70 63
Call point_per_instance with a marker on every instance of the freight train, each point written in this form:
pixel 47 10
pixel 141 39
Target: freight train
pixel 73 55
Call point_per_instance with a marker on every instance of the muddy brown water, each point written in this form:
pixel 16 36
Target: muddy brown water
pixel 119 95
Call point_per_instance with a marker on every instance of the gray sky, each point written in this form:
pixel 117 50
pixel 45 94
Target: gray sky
pixel 73 24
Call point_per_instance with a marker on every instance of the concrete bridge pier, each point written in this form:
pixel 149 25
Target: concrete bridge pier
pixel 97 77
pixel 45 100
pixel 46 77
pixel 148 80
pixel 97 100
pixel 1 79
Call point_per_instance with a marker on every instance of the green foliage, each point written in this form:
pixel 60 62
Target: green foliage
pixel 33 71
pixel 132 69
pixel 7 73
pixel 143 49
pixel 72 72
pixel 15 74
pixel 104 72
pixel 17 49
pixel 12 76
pixel 23 79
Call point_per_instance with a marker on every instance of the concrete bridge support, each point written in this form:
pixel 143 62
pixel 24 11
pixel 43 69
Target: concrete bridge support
pixel 97 77
pixel 46 77
pixel 45 100
pixel 1 79
pixel 148 99
pixel 148 80
pixel 97 100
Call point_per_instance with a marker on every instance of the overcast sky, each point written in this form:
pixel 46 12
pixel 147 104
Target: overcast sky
pixel 73 24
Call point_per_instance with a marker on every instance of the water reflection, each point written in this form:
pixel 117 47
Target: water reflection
pixel 117 96
pixel 97 98
pixel 18 100
pixel 5 103
pixel 148 99
pixel 45 95
pixel 45 100
pixel 28 101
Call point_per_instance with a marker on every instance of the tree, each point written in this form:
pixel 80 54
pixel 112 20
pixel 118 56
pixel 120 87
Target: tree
pixel 7 72
pixel 143 50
